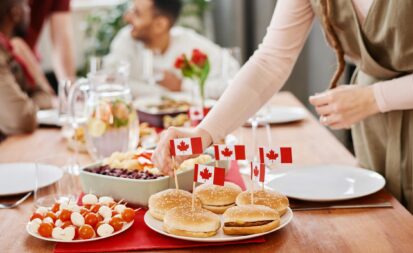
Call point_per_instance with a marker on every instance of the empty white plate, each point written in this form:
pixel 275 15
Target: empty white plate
pixel 325 182
pixel 280 115
pixel 17 178
pixel 49 118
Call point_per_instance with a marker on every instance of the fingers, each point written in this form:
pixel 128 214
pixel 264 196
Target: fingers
pixel 321 99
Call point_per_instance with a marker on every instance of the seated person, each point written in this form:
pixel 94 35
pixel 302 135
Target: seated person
pixel 23 87
pixel 151 27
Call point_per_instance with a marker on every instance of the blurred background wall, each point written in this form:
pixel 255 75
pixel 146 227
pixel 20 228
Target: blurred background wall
pixel 230 23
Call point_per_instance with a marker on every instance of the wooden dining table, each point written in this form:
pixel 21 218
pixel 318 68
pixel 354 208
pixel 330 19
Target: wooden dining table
pixel 337 230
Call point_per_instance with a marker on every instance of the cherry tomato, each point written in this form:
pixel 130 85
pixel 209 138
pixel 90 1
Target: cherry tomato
pixel 116 223
pixel 87 206
pixel 66 224
pixel 36 215
pixel 65 215
pixel 52 216
pixel 86 232
pixel 95 208
pixel 128 214
pixel 91 219
pixel 56 207
pixel 100 217
pixel 84 211
pixel 45 229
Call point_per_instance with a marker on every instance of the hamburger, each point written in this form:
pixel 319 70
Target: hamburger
pixel 184 221
pixel 217 198
pixel 163 201
pixel 274 200
pixel 250 219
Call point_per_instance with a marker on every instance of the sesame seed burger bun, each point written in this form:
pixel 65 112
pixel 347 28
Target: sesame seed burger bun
pixel 217 198
pixel 184 221
pixel 274 200
pixel 161 202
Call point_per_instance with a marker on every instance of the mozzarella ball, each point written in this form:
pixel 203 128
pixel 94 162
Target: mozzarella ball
pixel 105 230
pixel 89 199
pixel 77 219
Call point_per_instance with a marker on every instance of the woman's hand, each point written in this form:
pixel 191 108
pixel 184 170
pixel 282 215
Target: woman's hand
pixel 344 106
pixel 162 158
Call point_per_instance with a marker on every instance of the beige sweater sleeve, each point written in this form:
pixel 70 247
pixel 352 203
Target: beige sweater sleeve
pixel 266 71
pixel 18 111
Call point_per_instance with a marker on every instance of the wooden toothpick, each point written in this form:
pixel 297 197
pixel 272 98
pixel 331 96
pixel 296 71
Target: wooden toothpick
pixel 175 171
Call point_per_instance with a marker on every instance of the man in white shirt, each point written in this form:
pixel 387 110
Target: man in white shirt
pixel 151 45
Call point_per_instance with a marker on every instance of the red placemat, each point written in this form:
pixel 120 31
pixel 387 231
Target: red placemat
pixel 141 237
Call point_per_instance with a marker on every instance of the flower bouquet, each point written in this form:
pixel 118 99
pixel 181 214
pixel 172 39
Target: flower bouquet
pixel 197 68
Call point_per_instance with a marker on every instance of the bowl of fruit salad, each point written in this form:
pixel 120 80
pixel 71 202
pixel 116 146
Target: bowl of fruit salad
pixel 133 177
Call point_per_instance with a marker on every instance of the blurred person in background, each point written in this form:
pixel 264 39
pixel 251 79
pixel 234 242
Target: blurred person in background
pixel 151 26
pixel 23 87
pixel 57 12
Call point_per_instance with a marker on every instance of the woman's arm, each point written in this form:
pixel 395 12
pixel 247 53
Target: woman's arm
pixel 395 94
pixel 257 81
pixel 265 72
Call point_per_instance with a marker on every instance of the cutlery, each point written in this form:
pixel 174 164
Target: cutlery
pixel 327 207
pixel 18 202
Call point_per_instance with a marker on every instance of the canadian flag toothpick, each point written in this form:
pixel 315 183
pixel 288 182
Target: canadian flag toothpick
pixel 280 155
pixel 257 172
pixel 229 152
pixel 209 174
pixel 196 113
pixel 186 146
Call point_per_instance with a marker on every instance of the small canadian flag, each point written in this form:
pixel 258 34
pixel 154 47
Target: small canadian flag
pixel 196 113
pixel 257 172
pixel 229 152
pixel 209 174
pixel 276 155
pixel 186 146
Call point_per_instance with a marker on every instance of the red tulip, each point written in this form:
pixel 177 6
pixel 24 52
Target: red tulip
pixel 198 57
pixel 180 62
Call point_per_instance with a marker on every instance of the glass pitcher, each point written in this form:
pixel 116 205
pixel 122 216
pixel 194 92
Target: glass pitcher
pixel 107 115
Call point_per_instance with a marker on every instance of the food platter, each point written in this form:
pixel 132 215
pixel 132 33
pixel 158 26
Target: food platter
pixel 157 225
pixel 125 227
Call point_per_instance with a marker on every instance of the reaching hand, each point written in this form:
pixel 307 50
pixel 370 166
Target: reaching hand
pixel 344 106
pixel 162 158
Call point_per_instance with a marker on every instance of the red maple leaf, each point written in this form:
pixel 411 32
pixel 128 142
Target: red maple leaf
pixel 196 113
pixel 271 155
pixel 226 152
pixel 205 174
pixel 256 171
pixel 183 146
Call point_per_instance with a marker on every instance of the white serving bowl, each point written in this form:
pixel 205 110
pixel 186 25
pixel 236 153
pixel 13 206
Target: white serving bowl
pixel 135 191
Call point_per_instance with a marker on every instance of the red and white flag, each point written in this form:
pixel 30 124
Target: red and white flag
pixel 186 146
pixel 209 174
pixel 280 155
pixel 229 152
pixel 257 172
pixel 196 113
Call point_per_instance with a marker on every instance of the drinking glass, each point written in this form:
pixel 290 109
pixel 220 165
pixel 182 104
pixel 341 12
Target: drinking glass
pixel 66 188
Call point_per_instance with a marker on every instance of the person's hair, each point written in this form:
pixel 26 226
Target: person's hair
pixel 168 8
pixel 5 6
pixel 335 43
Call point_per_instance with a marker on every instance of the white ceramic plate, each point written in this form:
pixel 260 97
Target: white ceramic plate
pixel 280 115
pixel 156 225
pixel 325 182
pixel 125 227
pixel 48 118
pixel 17 178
